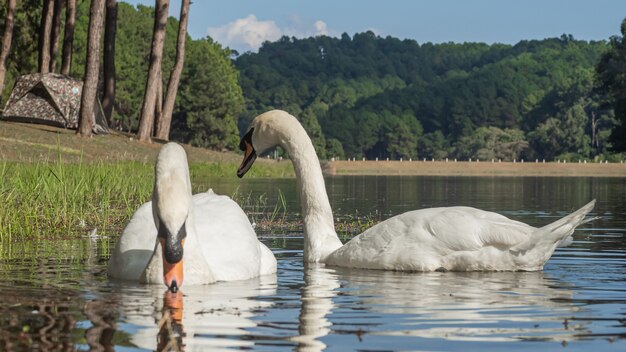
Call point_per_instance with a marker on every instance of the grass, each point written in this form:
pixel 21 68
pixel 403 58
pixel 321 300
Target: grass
pixel 350 225
pixel 61 200
pixel 57 199
pixel 268 218
pixel 229 169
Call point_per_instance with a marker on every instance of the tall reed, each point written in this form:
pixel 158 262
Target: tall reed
pixel 57 199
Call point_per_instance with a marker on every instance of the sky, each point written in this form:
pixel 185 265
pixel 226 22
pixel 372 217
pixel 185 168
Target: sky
pixel 244 25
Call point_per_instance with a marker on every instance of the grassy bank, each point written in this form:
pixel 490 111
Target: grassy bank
pixel 48 200
pixel 32 143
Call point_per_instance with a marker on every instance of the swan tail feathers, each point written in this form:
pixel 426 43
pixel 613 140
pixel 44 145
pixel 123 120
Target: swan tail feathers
pixel 555 234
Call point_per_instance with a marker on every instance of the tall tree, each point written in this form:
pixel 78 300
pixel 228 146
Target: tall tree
pixel 165 119
pixel 210 98
pixel 7 37
pixel 108 96
pixel 146 119
pixel 55 33
pixel 68 37
pixel 92 66
pixel 44 35
pixel 611 72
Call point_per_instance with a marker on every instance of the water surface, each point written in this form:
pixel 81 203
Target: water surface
pixel 56 295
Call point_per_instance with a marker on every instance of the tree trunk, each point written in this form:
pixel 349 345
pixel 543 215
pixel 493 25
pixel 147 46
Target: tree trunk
pixel 92 66
pixel 44 35
pixel 68 37
pixel 595 146
pixel 54 35
pixel 146 120
pixel 158 106
pixel 7 37
pixel 108 97
pixel 165 120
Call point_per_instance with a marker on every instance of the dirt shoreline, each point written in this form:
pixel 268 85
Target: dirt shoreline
pixel 482 168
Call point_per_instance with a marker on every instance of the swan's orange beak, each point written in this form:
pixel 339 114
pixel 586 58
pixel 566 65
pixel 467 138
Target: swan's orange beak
pixel 249 154
pixel 248 159
pixel 172 272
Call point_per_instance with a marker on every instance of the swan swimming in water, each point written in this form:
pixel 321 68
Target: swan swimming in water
pixel 202 238
pixel 449 238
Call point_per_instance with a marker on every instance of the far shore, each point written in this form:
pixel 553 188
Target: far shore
pixel 21 142
pixel 474 168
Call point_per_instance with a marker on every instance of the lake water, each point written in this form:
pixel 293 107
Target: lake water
pixel 55 296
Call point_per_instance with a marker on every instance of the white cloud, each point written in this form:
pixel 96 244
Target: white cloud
pixel 321 28
pixel 249 33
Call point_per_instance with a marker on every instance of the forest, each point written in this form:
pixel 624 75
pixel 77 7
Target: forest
pixel 370 96
pixel 367 96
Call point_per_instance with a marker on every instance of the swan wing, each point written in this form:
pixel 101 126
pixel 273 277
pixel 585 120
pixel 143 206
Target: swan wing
pixel 422 240
pixel 135 246
pixel 466 228
pixel 228 241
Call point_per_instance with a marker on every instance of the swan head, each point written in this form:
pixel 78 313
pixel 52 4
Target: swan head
pixel 171 204
pixel 266 131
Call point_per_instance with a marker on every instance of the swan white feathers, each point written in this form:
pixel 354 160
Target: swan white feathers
pixel 451 238
pixel 207 232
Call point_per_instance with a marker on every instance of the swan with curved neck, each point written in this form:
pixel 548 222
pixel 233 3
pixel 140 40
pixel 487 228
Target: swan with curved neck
pixel 449 238
pixel 199 239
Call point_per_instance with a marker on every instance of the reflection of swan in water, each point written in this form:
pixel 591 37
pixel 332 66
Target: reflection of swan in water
pixel 170 326
pixel 319 288
pixel 500 306
pixel 467 306
pixel 197 314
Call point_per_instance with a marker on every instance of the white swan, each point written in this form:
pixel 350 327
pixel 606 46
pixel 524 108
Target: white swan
pixel 452 238
pixel 219 242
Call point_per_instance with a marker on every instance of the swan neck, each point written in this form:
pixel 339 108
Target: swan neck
pixel 319 228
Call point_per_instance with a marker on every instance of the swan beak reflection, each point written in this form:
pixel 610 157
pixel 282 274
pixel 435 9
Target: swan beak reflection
pixel 249 154
pixel 174 302
pixel 172 271
pixel 170 337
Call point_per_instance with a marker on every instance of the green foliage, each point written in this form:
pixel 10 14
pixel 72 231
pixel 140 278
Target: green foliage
pixel 562 134
pixel 433 145
pixel 611 82
pixel 334 149
pixel 132 52
pixel 23 56
pixel 209 98
pixel 308 118
pixel 400 135
pixel 385 97
pixel 487 143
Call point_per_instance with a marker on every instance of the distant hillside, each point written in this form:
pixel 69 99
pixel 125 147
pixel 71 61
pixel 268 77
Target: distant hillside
pixel 384 97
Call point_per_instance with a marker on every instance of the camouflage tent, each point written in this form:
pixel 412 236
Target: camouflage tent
pixel 49 99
